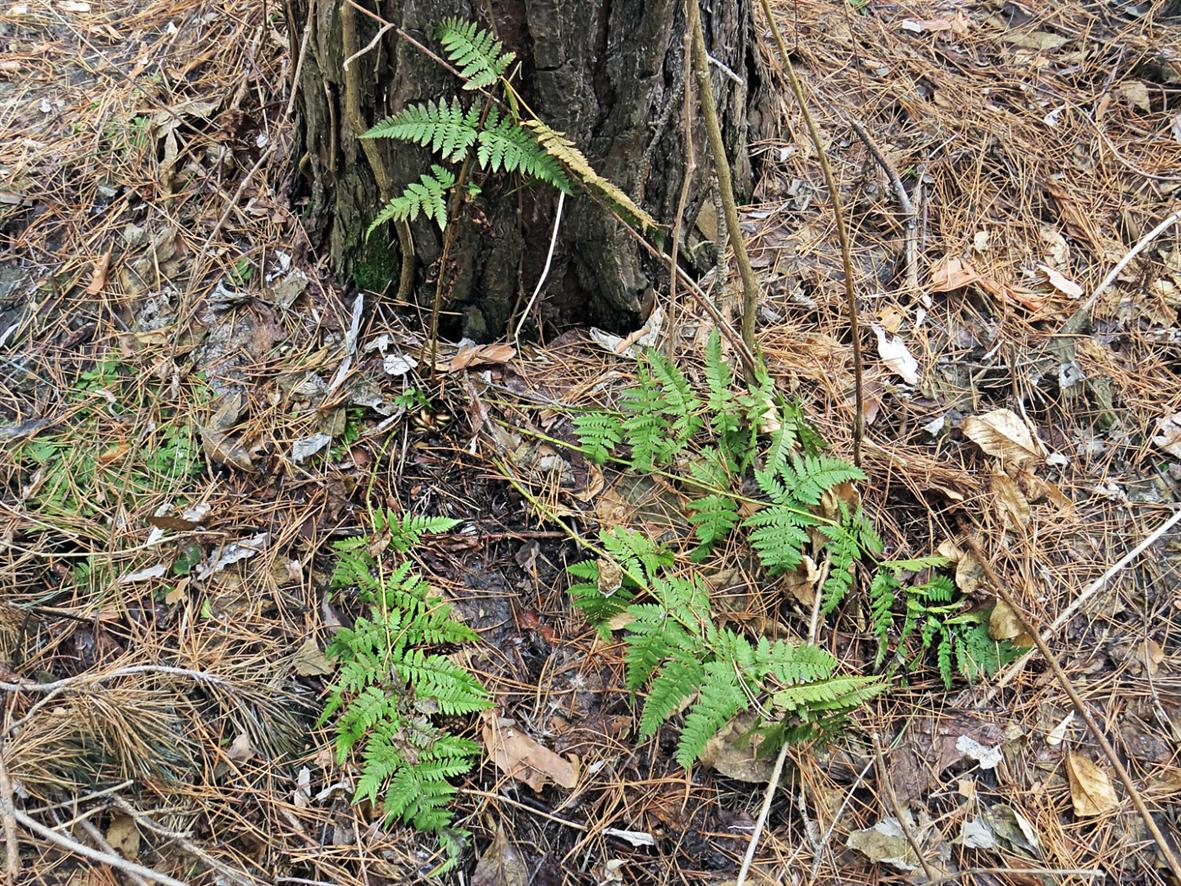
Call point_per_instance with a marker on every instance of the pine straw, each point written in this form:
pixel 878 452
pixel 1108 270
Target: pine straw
pixel 85 169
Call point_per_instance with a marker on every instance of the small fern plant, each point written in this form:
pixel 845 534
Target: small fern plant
pixel 936 620
pixel 394 680
pixel 503 139
pixel 678 653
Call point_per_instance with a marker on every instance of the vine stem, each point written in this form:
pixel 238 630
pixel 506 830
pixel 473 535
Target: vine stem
pixel 838 212
pixel 717 149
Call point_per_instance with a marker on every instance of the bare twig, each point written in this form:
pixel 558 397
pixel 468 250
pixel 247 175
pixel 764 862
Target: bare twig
pixel 717 148
pixel 71 845
pixel 904 203
pixel 1081 709
pixel 842 233
pixel 686 182
pixel 549 257
pixel 1093 588
pixel 7 812
pixel 899 813
pixel 100 841
pixel 764 811
pixel 1082 317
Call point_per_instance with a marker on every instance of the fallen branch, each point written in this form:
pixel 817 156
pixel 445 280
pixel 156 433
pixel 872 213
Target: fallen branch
pixel 1162 844
pixel 73 846
pixel 1093 588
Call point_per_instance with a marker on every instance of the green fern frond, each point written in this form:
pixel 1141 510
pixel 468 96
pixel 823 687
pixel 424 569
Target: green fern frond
pixel 645 426
pixel 778 535
pixel 725 418
pixel 453 688
pixel 637 553
pixel 831 695
pixel 598 607
pixel 915 564
pixel 481 58
pixel 843 551
pixel 678 679
pixel 598 433
pixel 447 129
pixel 427 196
pixel 788 664
pixel 719 699
pixel 810 477
pixel 881 608
pixel 505 144
pixel 562 149
pixel 650 637
pixel 407 530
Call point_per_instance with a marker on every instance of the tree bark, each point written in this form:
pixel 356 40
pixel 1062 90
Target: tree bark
pixel 608 73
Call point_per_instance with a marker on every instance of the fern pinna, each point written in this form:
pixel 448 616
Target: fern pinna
pixel 393 674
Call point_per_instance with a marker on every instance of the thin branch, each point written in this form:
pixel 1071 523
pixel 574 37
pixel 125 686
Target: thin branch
pixel 764 811
pixel 1082 317
pixel 904 203
pixel 713 130
pixel 549 257
pixel 71 845
pixel 1163 846
pixel 7 811
pixel 1093 588
pixel 842 234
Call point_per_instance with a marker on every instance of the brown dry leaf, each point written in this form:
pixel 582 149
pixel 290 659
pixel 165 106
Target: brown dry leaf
pixel 1005 624
pixel 1135 94
pixel 734 752
pixel 952 273
pixel 896 356
pixel 1011 503
pixel 1036 40
pixel 123 835
pixel 475 355
pixel 1153 657
pixel 309 661
pixel 99 278
pixel 1001 433
pixel 520 757
pixel 968 573
pixel 801 581
pixel 1090 787
pixel 501 864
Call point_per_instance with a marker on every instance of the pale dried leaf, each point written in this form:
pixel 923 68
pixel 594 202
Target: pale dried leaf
pixel 1168 435
pixel 1002 434
pixel 226 555
pixel 951 273
pixel 302 450
pixel 309 661
pixel 1011 503
pixel 478 355
pixel 897 356
pixel 1063 284
pixel 123 835
pixel 885 843
pixel 1091 792
pixel 521 757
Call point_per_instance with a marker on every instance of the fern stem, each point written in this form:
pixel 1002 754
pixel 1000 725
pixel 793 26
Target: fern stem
pixel 842 234
pixel 713 130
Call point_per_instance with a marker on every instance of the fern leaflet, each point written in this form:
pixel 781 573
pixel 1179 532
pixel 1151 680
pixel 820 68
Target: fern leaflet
pixel 479 55
pixel 447 129
pixel 427 196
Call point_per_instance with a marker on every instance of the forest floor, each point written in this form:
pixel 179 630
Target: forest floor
pixel 192 410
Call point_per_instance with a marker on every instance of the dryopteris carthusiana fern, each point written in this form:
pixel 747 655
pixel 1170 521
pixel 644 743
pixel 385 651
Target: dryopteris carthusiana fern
pixel 393 673
pixel 504 141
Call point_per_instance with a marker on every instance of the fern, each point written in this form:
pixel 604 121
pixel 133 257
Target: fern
pixel 725 418
pixel 599 433
pixel 715 515
pixel 504 144
pixel 719 699
pixel 778 534
pixel 388 677
pixel 448 130
pixel 562 149
pixel 843 551
pixel 426 196
pixel 479 55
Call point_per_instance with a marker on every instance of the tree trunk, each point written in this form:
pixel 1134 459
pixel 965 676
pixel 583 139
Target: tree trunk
pixel 608 73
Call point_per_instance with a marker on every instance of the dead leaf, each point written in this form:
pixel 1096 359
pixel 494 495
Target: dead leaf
pixel 1091 792
pixel 241 749
pixel 1011 503
pixel 476 355
pixel 885 843
pixel 98 279
pixel 309 661
pixel 1062 284
pixel 1002 434
pixel 520 757
pixel 1037 40
pixel 1134 94
pixel 225 555
pixel 734 752
pixel 1168 435
pixel 975 834
pixel 501 864
pixel 801 582
pixel 896 356
pixel 303 449
pixel 1004 624
pixel 969 574
pixel 1013 827
pixel 143 575
pixel 952 273
pixel 1153 656
pixel 123 835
